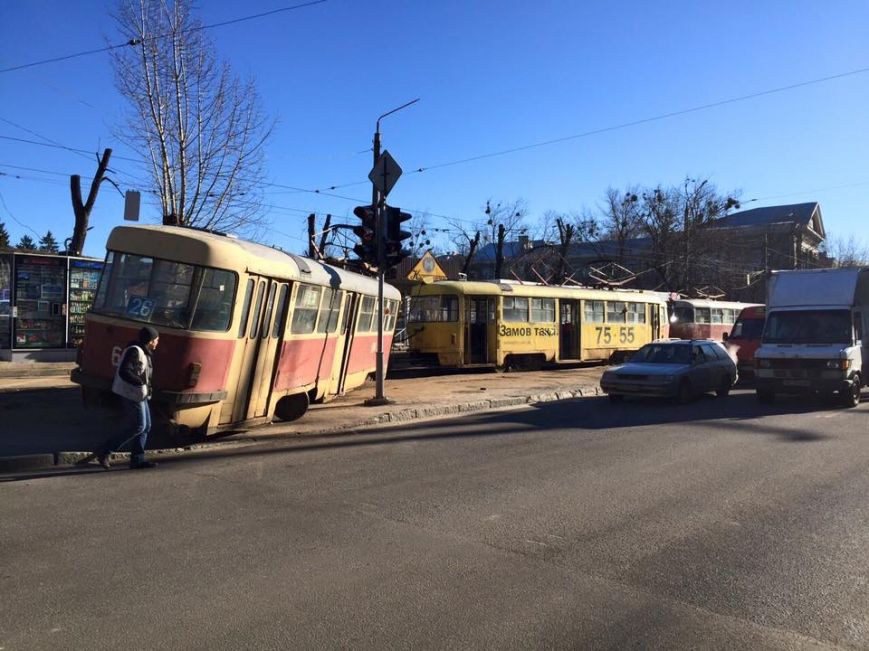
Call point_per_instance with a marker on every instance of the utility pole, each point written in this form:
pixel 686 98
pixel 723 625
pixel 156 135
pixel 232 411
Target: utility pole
pixel 377 201
pixel 311 246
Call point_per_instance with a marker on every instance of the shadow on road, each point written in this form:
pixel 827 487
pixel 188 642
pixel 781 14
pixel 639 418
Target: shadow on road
pixel 738 413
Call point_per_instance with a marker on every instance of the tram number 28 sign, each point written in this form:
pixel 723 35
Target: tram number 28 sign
pixel 614 334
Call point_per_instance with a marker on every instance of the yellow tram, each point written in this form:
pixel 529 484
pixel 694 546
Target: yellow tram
pixel 247 332
pixel 521 325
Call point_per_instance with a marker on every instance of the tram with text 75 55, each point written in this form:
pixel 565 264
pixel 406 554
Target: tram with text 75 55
pixel 248 333
pixel 507 324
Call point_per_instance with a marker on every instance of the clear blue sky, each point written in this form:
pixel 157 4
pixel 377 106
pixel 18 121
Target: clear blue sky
pixel 492 76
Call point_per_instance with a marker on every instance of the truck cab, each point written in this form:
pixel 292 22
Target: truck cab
pixel 743 341
pixel 813 340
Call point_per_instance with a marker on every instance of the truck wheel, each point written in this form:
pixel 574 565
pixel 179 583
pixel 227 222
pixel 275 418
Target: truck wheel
pixel 851 394
pixel 724 389
pixel 765 396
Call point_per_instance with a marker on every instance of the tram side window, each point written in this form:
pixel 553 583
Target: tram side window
pixel 213 310
pixel 434 309
pixel 331 305
pixel 105 278
pixel 728 316
pixel 594 312
pixel 365 314
pixel 717 315
pixel 306 308
pixel 636 313
pixel 615 311
pixel 391 308
pixel 515 308
pixel 542 310
pixel 702 315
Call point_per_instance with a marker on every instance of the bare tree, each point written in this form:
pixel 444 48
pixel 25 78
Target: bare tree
pixel 82 209
pixel 676 220
pixel 848 251
pixel 199 127
pixel 621 217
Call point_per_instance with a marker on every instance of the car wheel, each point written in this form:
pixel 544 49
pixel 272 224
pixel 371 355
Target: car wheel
pixel 686 392
pixel 851 395
pixel 724 389
pixel 765 396
pixel 616 397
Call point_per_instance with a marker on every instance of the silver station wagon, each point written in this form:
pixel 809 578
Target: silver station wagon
pixel 679 369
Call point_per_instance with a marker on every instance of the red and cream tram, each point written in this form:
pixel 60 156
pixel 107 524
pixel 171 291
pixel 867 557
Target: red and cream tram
pixel 247 332
pixel 703 318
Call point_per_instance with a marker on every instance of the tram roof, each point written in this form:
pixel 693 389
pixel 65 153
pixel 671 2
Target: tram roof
pixel 489 288
pixel 708 302
pixel 227 252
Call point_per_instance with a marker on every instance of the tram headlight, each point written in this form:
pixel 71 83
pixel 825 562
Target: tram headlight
pixel 193 374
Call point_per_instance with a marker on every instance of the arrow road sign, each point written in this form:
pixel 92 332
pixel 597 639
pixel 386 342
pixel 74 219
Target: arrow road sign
pixel 385 173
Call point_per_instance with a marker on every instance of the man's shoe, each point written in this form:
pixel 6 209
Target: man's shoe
pixel 142 465
pixel 103 460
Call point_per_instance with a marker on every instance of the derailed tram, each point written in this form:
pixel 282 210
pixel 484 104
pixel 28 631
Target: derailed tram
pixel 506 324
pixel 247 332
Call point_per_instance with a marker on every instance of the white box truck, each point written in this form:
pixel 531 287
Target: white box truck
pixel 813 340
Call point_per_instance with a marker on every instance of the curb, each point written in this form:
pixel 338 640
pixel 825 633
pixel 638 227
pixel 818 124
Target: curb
pixel 21 373
pixel 67 459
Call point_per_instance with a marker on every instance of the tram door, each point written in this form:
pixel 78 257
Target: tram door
pixel 655 313
pixel 346 328
pixel 271 336
pixel 477 330
pixel 568 337
pixel 256 360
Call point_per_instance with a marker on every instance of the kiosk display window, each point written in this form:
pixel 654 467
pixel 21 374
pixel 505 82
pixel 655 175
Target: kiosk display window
pixel 84 277
pixel 5 301
pixel 39 312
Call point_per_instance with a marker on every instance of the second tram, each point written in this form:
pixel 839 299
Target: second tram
pixel 522 325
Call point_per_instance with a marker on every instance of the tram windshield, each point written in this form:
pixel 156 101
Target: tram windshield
pixel 165 293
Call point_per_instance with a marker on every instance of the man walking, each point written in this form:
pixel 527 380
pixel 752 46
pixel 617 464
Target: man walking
pixel 132 384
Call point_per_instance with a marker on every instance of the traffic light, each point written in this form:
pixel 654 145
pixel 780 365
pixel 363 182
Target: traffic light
pixel 394 245
pixel 367 234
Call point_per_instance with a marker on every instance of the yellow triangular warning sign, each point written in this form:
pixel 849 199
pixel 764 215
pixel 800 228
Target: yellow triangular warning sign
pixel 427 270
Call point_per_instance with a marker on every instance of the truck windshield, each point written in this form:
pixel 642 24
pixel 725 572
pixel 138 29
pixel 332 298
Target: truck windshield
pixel 808 327
pixel 747 329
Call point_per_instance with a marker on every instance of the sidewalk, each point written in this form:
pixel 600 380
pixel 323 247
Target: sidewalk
pixel 34 369
pixel 43 424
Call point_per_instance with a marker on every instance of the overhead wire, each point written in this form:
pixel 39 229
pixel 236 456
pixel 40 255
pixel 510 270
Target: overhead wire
pixel 133 41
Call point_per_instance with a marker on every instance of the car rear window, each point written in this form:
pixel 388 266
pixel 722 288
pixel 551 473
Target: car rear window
pixel 663 354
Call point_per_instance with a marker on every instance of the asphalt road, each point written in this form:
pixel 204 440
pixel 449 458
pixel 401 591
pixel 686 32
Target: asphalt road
pixel 574 524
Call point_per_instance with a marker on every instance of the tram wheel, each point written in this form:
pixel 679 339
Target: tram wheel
pixel 292 407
